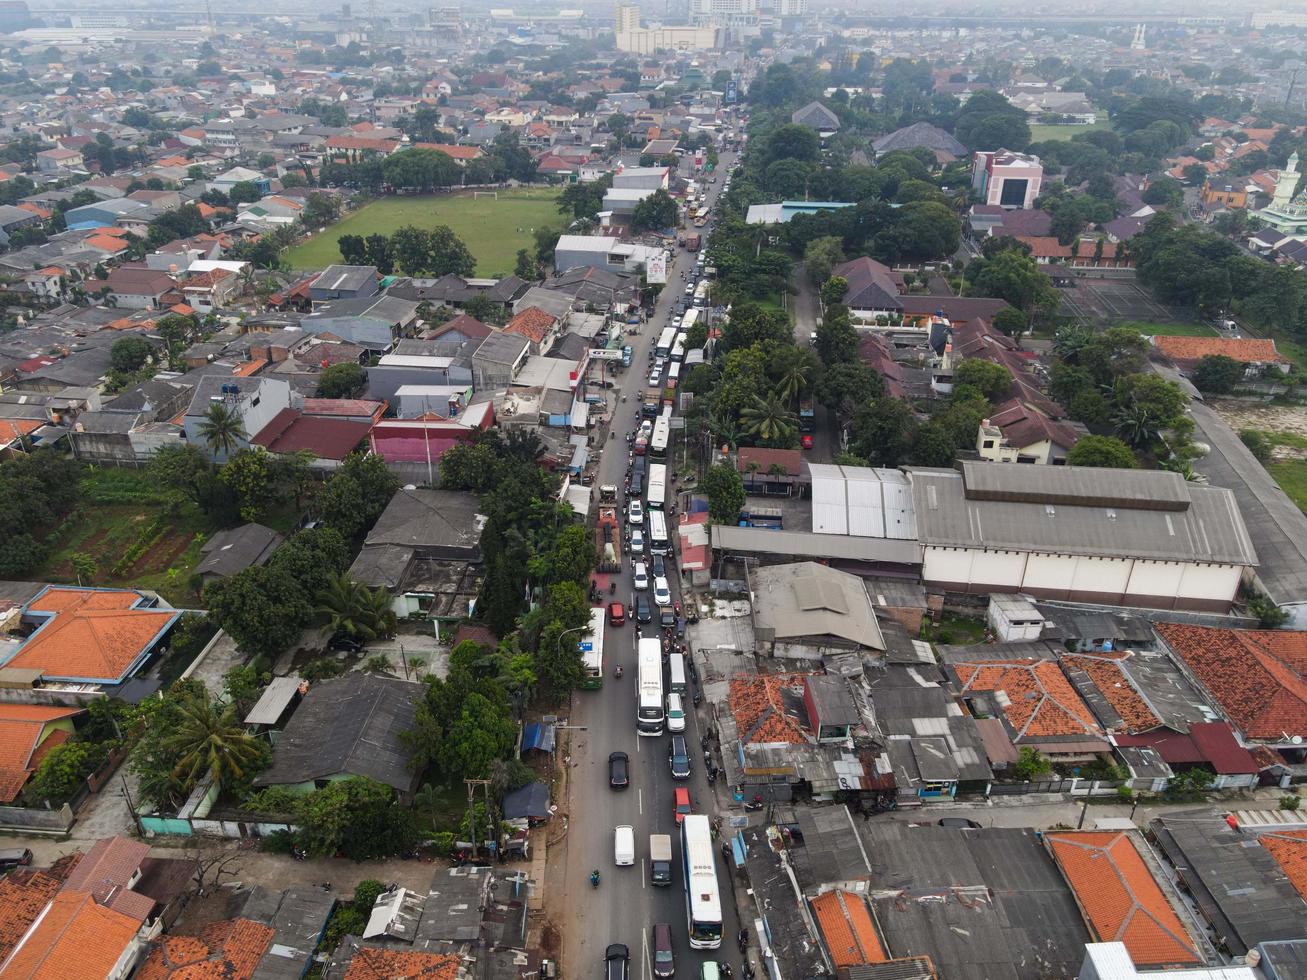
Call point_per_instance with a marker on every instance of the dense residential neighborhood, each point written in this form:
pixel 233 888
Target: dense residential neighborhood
pixel 892 421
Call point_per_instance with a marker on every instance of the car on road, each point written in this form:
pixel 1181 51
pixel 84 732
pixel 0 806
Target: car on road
pixel 662 593
pixel 678 757
pixel 624 845
pixel 675 713
pixel 657 565
pixel 959 823
pixel 637 542
pixel 635 510
pixel 617 962
pixel 345 642
pixel 680 803
pixel 643 611
pixel 619 770
pixel 641 577
pixel 655 379
pixel 616 614
pixel 664 960
pixel 805 440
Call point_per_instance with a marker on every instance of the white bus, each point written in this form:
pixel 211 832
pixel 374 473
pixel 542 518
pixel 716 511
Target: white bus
pixel 657 492
pixel 678 347
pixel 690 318
pixel 701 294
pixel 703 901
pixel 673 374
pixel 665 341
pixel 649 687
pixel 658 533
pixel 662 434
pixel 592 651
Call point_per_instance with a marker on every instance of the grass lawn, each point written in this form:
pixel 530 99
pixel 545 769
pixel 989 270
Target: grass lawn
pixel 1040 132
pixel 1173 329
pixel 1286 343
pixel 1291 475
pixel 494 229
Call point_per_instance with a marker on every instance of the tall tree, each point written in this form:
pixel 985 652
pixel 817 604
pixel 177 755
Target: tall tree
pixel 222 429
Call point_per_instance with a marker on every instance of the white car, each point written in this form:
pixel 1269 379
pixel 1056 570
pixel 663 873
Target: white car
pixel 662 594
pixel 675 713
pixel 635 512
pixel 641 577
pixel 655 379
pixel 637 543
pixel 624 845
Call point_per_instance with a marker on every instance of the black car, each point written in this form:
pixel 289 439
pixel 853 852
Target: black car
pixel 619 768
pixel 343 641
pixel 658 566
pixel 617 962
pixel 678 757
pixel 666 617
pixel 959 823
pixel 643 611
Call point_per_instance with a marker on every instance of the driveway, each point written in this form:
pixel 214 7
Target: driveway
pixel 222 657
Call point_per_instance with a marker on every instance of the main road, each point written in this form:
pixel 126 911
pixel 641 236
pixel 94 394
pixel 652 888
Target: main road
pixel 625 906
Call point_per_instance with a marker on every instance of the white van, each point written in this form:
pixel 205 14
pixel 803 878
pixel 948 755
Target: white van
pixel 675 712
pixel 676 673
pixel 624 845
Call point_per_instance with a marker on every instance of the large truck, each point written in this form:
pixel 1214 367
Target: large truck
pixel 692 243
pixel 608 540
pixel 660 859
pixel 652 402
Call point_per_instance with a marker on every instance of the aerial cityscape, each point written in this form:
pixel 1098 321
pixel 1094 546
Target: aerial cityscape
pixel 754 489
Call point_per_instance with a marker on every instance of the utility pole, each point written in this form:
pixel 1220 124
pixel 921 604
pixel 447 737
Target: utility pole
pixel 472 823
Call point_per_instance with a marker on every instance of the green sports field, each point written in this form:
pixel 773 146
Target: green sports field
pixel 494 229
pixel 1040 132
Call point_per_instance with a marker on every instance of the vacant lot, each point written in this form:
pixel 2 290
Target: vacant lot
pixel 494 229
pixel 1039 132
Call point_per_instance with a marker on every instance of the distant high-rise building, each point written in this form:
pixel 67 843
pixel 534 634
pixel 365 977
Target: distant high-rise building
pixel 628 17
pixel 724 13
pixel 1138 43
pixel 1008 179
pixel 14 16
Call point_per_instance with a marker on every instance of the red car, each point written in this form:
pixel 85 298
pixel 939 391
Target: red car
pixel 616 614
pixel 806 441
pixel 680 803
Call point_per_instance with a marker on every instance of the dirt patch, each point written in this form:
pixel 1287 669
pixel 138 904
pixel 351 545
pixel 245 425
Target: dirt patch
pixel 162 553
pixel 1273 419
pixel 551 940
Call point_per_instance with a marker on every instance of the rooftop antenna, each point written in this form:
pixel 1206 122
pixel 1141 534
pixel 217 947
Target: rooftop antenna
pixel 208 10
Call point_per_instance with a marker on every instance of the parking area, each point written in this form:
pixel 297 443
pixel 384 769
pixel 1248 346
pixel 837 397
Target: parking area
pixel 1113 301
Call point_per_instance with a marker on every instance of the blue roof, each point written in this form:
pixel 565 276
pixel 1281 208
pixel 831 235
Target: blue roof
pixel 538 736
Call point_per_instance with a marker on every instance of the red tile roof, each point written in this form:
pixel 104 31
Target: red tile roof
pixel 532 323
pixel 759 711
pixel 1248 350
pixel 1108 675
pixel 291 431
pixel 1041 701
pixel 23 894
pixel 107 868
pixel 91 634
pixel 401 964
pixel 1289 848
pixel 1212 743
pixel 1256 676
pixel 787 459
pixel 75 938
pixel 847 929
pixel 21 730
pixel 452 150
pixel 228 950
pixel 1120 899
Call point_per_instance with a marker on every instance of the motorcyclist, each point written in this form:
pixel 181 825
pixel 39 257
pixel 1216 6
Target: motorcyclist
pixel 594 878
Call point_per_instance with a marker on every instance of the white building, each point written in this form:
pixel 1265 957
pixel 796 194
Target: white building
pixel 1123 537
pixel 598 252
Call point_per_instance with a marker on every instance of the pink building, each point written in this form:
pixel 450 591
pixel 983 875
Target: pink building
pixel 1006 178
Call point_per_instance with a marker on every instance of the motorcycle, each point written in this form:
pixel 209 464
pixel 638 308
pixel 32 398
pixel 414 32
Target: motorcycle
pixel 753 805
pixel 618 673
pixel 612 588
pixel 612 434
pixel 594 878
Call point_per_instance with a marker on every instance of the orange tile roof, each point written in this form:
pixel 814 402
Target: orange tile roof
pixel 227 950
pixel 12 429
pixel 1120 899
pixel 759 710
pixel 105 243
pixel 1248 350
pixel 532 323
pixel 247 368
pixel 89 634
pixel 1289 848
pixel 847 929
pixel 75 938
pixel 400 964
pixel 453 150
pixel 1256 676
pixel 21 727
pixel 1107 671
pixel 23 895
pixel 1041 701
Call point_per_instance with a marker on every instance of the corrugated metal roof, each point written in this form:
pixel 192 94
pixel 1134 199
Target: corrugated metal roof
pixel 862 502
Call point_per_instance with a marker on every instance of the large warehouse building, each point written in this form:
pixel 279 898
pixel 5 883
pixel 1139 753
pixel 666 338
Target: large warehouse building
pixel 1124 537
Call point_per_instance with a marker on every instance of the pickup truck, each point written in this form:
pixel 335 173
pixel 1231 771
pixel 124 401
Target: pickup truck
pixel 660 859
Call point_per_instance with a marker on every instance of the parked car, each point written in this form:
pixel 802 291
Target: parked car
pixel 678 757
pixel 664 960
pixel 14 857
pixel 345 642
pixel 616 614
pixel 617 962
pixel 619 770
pixel 662 593
pixel 805 440
pixel 675 713
pixel 680 803
pixel 959 823
pixel 641 577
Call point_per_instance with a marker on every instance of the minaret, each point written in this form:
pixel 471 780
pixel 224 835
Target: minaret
pixel 1286 183
pixel 1137 43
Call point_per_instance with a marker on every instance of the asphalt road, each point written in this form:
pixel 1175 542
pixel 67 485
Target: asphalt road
pixel 625 906
pixel 807 308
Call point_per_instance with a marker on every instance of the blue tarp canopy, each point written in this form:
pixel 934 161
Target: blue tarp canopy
pixel 538 736
pixel 530 802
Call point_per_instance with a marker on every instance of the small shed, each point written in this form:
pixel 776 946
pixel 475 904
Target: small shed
pixel 530 803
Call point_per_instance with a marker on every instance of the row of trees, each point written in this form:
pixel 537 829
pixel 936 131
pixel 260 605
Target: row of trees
pixel 414 251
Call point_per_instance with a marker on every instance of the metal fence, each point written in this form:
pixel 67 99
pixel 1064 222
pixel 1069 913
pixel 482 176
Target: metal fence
pixel 1072 785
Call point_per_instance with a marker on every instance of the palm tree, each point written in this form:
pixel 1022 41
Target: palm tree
pixel 726 431
pixel 212 739
pixel 1136 425
pixel 767 419
pixel 346 606
pixel 1070 340
pixel 222 428
pixel 793 382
